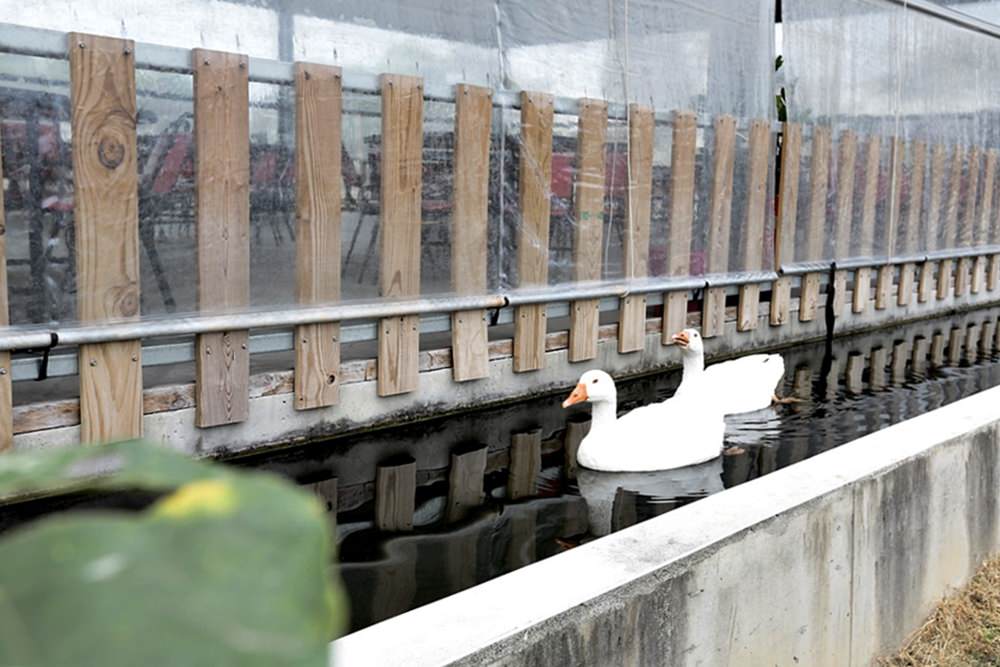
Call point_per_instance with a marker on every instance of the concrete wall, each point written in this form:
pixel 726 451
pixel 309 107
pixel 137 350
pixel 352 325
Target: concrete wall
pixel 832 561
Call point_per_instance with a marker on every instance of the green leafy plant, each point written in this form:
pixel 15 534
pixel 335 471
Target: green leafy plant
pixel 226 567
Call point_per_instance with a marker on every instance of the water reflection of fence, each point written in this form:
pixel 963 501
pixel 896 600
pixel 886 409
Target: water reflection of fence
pixel 112 401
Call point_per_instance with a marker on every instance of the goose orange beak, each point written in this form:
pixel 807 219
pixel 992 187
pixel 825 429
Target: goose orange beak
pixel 579 395
pixel 681 338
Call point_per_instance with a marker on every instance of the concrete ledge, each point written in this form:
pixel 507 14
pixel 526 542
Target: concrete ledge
pixel 832 561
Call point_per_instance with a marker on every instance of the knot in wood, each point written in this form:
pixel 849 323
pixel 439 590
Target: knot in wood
pixel 128 303
pixel 111 151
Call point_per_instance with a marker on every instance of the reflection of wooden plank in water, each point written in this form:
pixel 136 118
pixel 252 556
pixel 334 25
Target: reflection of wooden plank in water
pixel 326 494
pixel 955 341
pixel 624 512
pixel 900 356
pixel 462 559
pixel 937 349
pixel 395 496
pixel 833 377
pixel 465 482
pixel 919 356
pixel 525 464
pixel 396 581
pixel 876 374
pixel 576 430
pixel 971 343
pixel 986 338
pixel 521 549
pixel 737 466
pixel 855 370
pixel 802 383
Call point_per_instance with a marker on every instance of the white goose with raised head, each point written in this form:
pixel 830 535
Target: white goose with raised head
pixel 678 432
pixel 740 385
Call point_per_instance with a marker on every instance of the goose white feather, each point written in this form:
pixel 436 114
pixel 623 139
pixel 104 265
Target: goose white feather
pixel 678 432
pixel 746 384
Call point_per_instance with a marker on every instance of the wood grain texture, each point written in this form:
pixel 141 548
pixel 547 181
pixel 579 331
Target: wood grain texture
pixel 638 203
pixel 465 483
pixel 910 234
pixel 6 386
pixel 395 496
pixel 757 200
pixel 886 272
pixel 525 464
pixel 222 199
pixel 816 224
pixel 399 235
pixel 719 222
pixel 106 215
pixel 968 221
pixel 949 231
pixel 588 211
pixel 934 215
pixel 784 233
pixel 535 181
pixel 866 233
pixel 682 163
pixel 473 114
pixel 981 233
pixel 847 161
pixel 318 106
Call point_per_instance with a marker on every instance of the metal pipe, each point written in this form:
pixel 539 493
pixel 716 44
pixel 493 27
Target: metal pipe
pixel 800 268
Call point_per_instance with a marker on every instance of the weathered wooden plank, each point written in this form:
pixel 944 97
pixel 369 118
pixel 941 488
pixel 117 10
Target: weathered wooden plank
pixel 588 211
pixel 886 272
pixel 632 312
pixel 318 105
pixel 753 249
pixel 981 234
pixel 395 495
pixel 819 187
pixel 719 223
pixel 682 160
pixel 525 464
pixel 967 225
pixel 222 196
pixel 911 231
pixel 784 233
pixel 926 287
pixel 534 179
pixel 576 431
pixel 950 229
pixel 106 215
pixel 465 482
pixel 6 386
pixel 847 160
pixel 399 235
pixel 473 114
pixel 862 277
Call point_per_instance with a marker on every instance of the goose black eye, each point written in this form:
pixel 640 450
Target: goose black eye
pixel 594 381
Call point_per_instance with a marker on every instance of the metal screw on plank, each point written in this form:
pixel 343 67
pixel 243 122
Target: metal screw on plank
pixel 81 45
pixel 3 371
pixel 135 357
pixel 93 363
pixel 244 346
pixel 127 51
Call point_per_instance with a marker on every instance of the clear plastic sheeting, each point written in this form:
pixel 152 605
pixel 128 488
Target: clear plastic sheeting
pixel 878 72
pixel 655 57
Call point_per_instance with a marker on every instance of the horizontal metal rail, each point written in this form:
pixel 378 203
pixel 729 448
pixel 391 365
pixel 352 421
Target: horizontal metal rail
pixel 950 15
pixel 45 43
pixel 801 268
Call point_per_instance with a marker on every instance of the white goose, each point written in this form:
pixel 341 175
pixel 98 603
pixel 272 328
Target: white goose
pixel 746 384
pixel 678 432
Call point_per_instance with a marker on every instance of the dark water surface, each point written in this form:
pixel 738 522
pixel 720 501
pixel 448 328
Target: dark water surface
pixel 854 386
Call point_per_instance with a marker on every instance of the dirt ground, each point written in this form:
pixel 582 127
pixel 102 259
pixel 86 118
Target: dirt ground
pixel 963 631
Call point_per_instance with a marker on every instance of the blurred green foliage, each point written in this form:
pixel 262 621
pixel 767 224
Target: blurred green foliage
pixel 227 567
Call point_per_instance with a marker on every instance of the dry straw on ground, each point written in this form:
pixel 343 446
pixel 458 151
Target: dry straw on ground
pixel 963 631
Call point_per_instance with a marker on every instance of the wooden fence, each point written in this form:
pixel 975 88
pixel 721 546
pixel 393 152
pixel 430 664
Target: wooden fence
pixel 112 401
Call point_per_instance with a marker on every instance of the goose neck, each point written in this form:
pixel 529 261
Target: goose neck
pixel 603 412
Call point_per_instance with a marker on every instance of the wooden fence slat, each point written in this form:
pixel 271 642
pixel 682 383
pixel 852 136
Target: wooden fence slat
pixel 784 234
pixel 222 194
pixel 862 277
pixel 400 200
pixel 753 249
pixel 846 174
pixel 910 234
pixel 719 223
pixel 318 105
pixel 933 221
pixel 682 160
pixel 886 272
pixel 395 496
pixel 470 357
pixel 465 483
pixel 106 215
pixel 6 386
pixel 819 186
pixel 981 235
pixel 588 211
pixel 991 225
pixel 632 312
pixel 950 229
pixel 535 179
pixel 525 464
pixel 967 223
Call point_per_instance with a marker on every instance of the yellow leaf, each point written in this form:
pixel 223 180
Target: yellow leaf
pixel 210 496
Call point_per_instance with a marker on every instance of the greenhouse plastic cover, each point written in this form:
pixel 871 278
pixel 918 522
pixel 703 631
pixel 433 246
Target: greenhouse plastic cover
pixel 713 57
pixel 883 69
